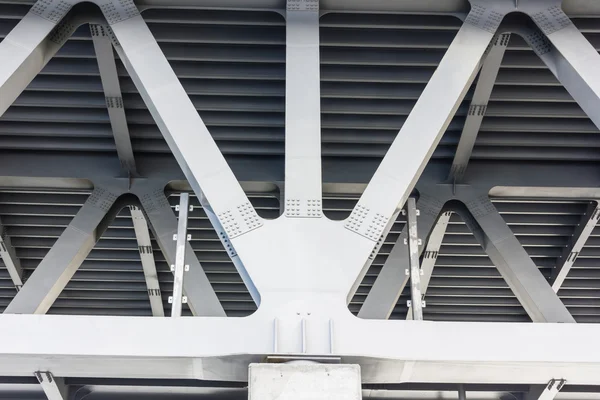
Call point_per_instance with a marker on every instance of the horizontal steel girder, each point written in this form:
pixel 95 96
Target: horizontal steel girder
pixel 455 352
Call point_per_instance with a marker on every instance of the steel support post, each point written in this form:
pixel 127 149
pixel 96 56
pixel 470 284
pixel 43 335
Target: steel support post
pixel 54 388
pixel 30 45
pixel 101 36
pixel 202 299
pixel 514 264
pixel 478 107
pixel 64 258
pixel 409 153
pixel 568 54
pixel 180 266
pixel 545 392
pixel 392 279
pixel 570 253
pixel 186 134
pixel 142 235
pixel 416 303
pixel 303 193
pixel 10 259
pixel 431 252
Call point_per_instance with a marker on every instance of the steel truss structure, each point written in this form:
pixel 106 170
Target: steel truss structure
pixel 301 269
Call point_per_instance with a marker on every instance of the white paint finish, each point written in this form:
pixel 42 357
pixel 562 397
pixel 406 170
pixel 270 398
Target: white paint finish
pixel 142 235
pixel 24 52
pixel 424 127
pixel 125 347
pixel 10 259
pixel 304 382
pixel 186 134
pixel 202 299
pixel 64 258
pixel 303 115
pixel 54 388
pixel 179 266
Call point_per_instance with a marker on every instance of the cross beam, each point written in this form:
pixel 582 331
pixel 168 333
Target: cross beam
pixel 30 45
pixel 182 127
pixel 202 299
pixel 392 279
pixel 570 253
pixel 430 255
pixel 66 256
pixel 54 388
pixel 10 259
pixel 140 225
pixel 101 37
pixel 478 106
pixel 514 264
pixel 455 352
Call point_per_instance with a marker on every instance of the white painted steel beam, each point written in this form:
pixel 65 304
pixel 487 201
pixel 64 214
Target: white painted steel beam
pixel 430 255
pixel 228 246
pixel 30 45
pixel 64 258
pixel 101 37
pixel 570 253
pixel 10 259
pixel 572 79
pixel 182 127
pixel 416 302
pixel 222 348
pixel 376 249
pixel 303 192
pixel 408 155
pixel 392 279
pixel 54 388
pixel 478 106
pixel 142 235
pixel 202 299
pixel 180 267
pixel 568 54
pixel 545 392
pixel 514 264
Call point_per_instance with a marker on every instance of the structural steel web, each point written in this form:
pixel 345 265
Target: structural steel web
pixel 302 133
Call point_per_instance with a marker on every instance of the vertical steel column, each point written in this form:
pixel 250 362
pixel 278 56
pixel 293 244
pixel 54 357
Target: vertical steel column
pixel 180 266
pixel 303 192
pixel 416 302
pixel 431 253
pixel 202 299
